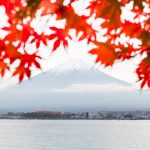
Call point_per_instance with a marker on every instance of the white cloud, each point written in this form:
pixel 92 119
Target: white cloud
pixel 91 88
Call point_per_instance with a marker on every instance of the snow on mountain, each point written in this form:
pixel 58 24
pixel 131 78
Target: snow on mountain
pixel 70 72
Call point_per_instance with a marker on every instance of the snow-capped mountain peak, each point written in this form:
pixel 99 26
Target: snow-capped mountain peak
pixel 71 65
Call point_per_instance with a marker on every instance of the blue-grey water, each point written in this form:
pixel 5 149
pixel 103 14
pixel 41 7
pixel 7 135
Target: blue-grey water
pixel 74 135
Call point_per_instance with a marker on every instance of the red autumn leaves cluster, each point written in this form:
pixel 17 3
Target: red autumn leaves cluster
pixel 20 33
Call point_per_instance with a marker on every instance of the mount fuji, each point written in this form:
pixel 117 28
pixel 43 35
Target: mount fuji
pixel 72 86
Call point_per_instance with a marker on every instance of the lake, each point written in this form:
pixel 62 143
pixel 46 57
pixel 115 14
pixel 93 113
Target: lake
pixel 74 135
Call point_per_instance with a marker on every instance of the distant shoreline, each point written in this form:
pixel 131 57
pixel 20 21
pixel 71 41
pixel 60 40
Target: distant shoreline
pixel 79 119
pixel 102 115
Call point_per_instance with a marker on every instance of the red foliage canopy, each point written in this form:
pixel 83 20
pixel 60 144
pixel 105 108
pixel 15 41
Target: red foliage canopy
pixel 20 32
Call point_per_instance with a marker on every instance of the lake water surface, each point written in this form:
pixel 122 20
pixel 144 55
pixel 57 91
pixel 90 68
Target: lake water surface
pixel 74 135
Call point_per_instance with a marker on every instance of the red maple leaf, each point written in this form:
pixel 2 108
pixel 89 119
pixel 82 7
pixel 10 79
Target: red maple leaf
pixel 143 72
pixel 59 35
pixel 105 54
pixel 21 71
pixel 24 68
pixel 3 67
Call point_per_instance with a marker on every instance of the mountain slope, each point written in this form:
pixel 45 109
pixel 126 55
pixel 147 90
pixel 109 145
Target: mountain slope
pixel 61 76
